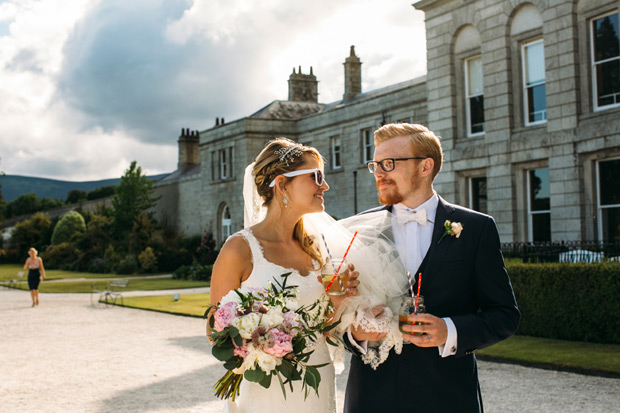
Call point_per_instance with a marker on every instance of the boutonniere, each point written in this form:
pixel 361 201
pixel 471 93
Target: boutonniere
pixel 453 229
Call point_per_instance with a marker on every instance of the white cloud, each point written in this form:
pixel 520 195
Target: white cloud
pixel 90 85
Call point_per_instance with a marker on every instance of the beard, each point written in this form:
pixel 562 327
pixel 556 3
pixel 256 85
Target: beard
pixel 389 196
pixel 392 195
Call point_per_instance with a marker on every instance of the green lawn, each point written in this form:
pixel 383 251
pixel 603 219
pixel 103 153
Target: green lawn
pixel 188 304
pixel 9 272
pixel 561 354
pixel 52 285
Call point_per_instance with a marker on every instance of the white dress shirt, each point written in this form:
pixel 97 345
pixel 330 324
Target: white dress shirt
pixel 413 241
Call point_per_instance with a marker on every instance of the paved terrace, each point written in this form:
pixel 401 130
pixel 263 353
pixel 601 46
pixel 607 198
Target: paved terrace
pixel 68 356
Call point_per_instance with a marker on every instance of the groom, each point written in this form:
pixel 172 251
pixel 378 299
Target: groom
pixel 469 300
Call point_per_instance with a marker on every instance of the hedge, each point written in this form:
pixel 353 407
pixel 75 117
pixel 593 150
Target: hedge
pixel 579 302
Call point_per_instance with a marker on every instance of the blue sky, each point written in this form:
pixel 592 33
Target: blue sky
pixel 88 86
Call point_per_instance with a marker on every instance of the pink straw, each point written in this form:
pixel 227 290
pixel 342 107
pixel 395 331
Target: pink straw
pixel 341 262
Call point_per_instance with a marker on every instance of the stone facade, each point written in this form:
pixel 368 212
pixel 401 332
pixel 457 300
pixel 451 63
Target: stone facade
pixel 504 159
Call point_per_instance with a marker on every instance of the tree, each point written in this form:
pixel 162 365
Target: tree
pixel 24 204
pixel 69 226
pixel 76 195
pixel 103 192
pixel 133 197
pixel 32 232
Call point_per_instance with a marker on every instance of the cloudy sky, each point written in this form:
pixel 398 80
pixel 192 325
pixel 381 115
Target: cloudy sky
pixel 87 86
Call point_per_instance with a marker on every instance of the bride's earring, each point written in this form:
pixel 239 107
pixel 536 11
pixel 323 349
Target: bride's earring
pixel 285 201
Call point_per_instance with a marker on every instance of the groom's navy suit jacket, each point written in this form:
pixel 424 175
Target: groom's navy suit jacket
pixel 464 279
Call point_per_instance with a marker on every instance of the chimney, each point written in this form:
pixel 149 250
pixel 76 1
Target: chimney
pixel 352 76
pixel 189 152
pixel 303 88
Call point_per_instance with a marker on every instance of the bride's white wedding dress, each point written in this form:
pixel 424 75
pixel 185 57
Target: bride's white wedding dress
pixel 255 398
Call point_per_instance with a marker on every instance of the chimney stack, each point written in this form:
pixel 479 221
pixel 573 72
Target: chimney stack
pixel 189 151
pixel 352 76
pixel 303 88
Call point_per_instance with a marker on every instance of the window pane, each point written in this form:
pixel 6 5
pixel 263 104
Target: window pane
pixel 474 77
pixel 608 82
pixel 611 224
pixel 479 194
pixel 606 37
pixel 541 226
pixel 476 114
pixel 534 63
pixel 539 190
pixel 537 103
pixel 609 178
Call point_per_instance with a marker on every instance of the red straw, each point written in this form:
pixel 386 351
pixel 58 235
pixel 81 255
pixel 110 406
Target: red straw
pixel 417 297
pixel 341 262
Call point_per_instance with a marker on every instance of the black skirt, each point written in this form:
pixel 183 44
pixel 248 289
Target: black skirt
pixel 34 277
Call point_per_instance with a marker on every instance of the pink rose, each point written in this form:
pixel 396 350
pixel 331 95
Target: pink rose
pixel 290 322
pixel 282 343
pixel 224 315
pixel 240 351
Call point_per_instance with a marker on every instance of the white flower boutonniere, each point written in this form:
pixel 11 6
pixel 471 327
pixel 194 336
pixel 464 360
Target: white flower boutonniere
pixel 453 229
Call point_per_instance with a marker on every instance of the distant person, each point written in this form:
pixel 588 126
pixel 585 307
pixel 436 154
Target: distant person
pixel 36 274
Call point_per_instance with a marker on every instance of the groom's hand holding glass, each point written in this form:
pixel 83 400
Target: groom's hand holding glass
pixel 433 330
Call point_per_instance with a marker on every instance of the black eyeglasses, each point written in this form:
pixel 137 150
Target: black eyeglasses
pixel 388 164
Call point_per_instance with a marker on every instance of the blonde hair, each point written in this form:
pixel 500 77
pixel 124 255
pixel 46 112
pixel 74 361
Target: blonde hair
pixel 423 141
pixel 279 156
pixel 33 249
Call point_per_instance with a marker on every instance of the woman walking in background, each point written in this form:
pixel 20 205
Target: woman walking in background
pixel 36 274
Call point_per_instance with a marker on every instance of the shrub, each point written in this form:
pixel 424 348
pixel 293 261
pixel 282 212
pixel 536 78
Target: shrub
pixel 194 272
pixel 127 265
pixel 62 255
pixel 99 265
pixel 568 301
pixel 68 227
pixel 169 259
pixel 148 260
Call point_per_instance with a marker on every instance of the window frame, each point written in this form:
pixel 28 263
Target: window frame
pixel 525 86
pixel 370 145
pixel 530 213
pixel 599 207
pixel 336 152
pixel 470 194
pixel 596 107
pixel 468 124
pixel 223 164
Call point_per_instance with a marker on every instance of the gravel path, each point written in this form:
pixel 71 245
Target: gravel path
pixel 68 356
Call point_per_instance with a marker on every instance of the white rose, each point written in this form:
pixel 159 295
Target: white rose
pixel 247 324
pixel 273 318
pixel 457 227
pixel 267 362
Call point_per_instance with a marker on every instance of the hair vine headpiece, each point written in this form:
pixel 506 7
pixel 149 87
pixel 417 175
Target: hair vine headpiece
pixel 288 154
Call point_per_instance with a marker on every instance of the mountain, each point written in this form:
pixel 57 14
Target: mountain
pixel 16 185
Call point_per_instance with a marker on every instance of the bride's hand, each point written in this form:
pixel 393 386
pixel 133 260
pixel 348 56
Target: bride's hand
pixel 351 287
pixel 360 334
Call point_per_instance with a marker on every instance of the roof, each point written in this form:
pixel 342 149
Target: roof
pixel 283 109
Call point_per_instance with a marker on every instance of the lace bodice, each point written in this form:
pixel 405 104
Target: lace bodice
pixel 263 272
pixel 255 398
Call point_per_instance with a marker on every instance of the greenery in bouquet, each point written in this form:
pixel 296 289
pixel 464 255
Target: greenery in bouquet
pixel 261 333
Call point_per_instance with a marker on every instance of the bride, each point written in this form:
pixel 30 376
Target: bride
pixel 289 181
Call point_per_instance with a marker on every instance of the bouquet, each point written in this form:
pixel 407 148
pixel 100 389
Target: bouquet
pixel 261 333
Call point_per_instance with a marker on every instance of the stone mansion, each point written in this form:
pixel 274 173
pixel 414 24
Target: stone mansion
pixel 525 96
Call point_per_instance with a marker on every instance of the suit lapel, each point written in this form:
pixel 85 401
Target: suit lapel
pixel 436 249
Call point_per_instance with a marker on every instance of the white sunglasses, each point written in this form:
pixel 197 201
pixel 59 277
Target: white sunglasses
pixel 319 178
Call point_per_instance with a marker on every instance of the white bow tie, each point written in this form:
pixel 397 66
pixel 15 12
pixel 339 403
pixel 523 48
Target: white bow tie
pixel 405 216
